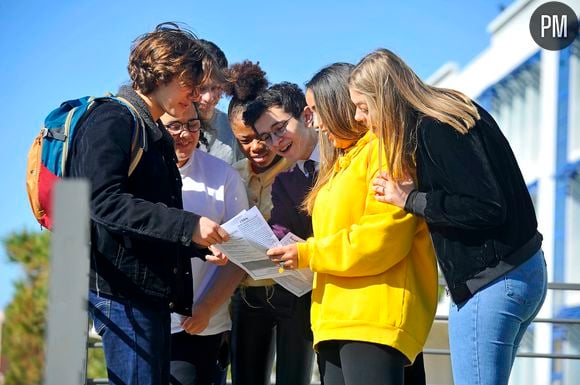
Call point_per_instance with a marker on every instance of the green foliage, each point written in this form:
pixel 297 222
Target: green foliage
pixel 25 316
pixel 23 338
pixel 96 367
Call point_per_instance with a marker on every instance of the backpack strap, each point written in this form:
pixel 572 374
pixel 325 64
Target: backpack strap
pixel 66 131
pixel 139 137
pixel 139 140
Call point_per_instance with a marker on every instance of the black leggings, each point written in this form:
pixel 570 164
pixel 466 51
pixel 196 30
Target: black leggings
pixel 415 374
pixel 271 320
pixel 197 360
pixel 360 363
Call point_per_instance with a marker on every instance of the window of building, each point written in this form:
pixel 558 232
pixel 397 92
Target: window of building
pixel 574 122
pixel 573 230
pixel 515 104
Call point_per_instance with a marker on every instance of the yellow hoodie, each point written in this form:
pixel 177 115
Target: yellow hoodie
pixel 375 274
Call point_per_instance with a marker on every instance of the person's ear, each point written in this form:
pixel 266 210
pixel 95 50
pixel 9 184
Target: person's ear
pixel 308 116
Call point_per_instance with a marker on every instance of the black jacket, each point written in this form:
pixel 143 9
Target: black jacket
pixel 473 196
pixel 140 238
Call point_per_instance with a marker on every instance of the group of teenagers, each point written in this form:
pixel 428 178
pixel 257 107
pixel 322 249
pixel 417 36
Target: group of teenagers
pixel 382 175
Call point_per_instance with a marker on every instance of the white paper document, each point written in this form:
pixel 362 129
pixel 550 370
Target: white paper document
pixel 250 238
pixel 299 281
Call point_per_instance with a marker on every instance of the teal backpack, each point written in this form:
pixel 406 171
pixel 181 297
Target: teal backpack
pixel 48 155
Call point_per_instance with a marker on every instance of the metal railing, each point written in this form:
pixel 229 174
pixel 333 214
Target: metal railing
pixel 559 321
pixel 445 352
pixel 67 320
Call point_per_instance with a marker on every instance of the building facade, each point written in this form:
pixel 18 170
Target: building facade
pixel 534 94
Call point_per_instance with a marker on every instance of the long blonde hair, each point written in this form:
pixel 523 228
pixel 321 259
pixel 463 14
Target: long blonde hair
pixel 397 99
pixel 335 109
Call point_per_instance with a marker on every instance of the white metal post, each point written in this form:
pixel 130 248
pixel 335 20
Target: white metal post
pixel 69 280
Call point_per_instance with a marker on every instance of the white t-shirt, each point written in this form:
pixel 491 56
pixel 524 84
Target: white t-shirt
pixel 213 189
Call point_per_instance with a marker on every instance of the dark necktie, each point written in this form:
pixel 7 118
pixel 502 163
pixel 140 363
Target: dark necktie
pixel 309 167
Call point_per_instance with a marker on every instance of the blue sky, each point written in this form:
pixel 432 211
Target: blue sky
pixel 58 50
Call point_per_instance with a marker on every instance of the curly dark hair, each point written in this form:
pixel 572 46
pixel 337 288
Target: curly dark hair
pixel 169 52
pixel 218 54
pixel 247 81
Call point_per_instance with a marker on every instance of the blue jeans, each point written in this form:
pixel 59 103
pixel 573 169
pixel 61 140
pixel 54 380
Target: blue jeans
pixel 136 340
pixel 485 331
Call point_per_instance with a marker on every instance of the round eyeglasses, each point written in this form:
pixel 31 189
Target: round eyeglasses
pixel 192 125
pixel 278 132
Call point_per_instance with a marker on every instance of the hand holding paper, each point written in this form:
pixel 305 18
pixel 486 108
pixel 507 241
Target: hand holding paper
pixel 208 232
pixel 217 257
pixel 299 281
pixel 286 256
pixel 250 238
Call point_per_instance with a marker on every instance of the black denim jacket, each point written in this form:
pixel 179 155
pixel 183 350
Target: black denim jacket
pixel 140 238
pixel 473 196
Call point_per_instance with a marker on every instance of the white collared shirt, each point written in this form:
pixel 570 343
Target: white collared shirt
pixel 315 156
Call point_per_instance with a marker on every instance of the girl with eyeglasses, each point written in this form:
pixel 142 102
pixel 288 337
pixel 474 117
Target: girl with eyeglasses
pixel 212 188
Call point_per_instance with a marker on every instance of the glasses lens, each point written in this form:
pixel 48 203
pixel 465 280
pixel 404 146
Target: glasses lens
pixel 173 127
pixel 193 125
pixel 277 132
pixel 281 131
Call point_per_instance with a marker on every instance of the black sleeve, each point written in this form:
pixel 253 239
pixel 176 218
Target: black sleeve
pixel 101 153
pixel 467 194
pixel 416 202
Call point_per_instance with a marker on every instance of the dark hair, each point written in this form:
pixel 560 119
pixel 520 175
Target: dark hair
pixel 286 95
pixel 169 52
pixel 202 138
pixel 247 81
pixel 216 52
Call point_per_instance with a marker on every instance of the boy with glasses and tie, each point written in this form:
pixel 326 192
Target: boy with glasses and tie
pixel 283 121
